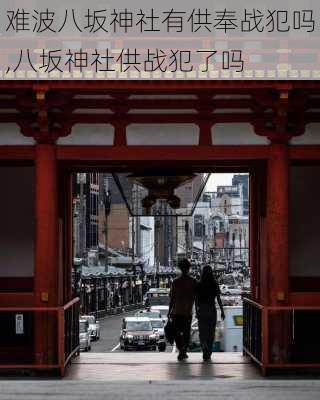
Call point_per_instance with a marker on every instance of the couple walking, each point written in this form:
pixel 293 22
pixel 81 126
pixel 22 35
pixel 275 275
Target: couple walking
pixel 185 292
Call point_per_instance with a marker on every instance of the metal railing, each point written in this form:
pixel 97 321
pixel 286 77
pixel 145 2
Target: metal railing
pixel 62 323
pixel 281 337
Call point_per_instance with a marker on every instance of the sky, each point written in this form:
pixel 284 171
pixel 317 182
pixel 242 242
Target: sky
pixel 218 180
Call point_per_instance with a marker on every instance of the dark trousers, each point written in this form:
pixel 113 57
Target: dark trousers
pixel 207 327
pixel 182 326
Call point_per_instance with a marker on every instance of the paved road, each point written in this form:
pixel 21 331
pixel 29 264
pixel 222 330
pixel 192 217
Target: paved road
pixel 218 389
pixel 110 331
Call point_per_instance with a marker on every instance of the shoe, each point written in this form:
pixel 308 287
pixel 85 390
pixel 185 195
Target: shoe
pixel 206 356
pixel 182 356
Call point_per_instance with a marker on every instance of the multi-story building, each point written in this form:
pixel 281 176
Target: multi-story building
pixel 126 233
pixel 86 201
pixel 218 229
pixel 243 179
pixel 230 215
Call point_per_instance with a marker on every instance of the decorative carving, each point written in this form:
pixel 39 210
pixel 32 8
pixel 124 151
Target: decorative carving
pixel 41 123
pixel 48 110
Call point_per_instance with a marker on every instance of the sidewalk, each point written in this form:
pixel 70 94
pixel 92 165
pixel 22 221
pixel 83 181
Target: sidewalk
pixel 158 376
pixel 150 366
pixel 216 389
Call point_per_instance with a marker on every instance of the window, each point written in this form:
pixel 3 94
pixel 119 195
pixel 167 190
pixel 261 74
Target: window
pixel 198 222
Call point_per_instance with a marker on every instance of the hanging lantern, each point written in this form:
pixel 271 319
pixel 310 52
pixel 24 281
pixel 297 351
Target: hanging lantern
pixel 160 193
pixel 160 187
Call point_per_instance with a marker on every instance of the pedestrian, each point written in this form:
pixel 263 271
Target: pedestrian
pixel 182 296
pixel 207 292
pixel 116 299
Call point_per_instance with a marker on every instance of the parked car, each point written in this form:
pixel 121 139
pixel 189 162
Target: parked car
pixel 230 290
pixel 84 335
pixel 158 327
pixel 157 296
pixel 137 333
pixel 194 344
pixel 163 311
pixel 94 326
pixel 148 314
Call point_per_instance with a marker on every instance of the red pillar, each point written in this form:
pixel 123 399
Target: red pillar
pixel 205 138
pixel 46 253
pixel 278 323
pixel 278 224
pixel 253 236
pixel 120 133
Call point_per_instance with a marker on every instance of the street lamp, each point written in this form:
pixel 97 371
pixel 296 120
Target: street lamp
pixel 107 209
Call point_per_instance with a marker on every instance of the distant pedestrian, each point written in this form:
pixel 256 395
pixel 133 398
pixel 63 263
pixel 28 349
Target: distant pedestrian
pixel 182 296
pixel 207 292
pixel 116 299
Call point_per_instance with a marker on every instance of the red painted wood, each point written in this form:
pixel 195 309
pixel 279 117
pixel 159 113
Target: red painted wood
pixel 120 133
pixel 162 153
pixel 278 223
pixel 168 104
pixel 155 118
pixel 277 277
pixel 310 152
pixel 17 299
pixel 205 138
pixel 67 216
pixel 305 284
pixel 305 298
pixel 18 355
pixel 253 235
pixel 16 284
pixel 17 152
pixel 46 261
pixel 46 272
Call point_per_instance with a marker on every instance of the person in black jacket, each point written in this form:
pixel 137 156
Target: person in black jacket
pixel 182 296
pixel 206 293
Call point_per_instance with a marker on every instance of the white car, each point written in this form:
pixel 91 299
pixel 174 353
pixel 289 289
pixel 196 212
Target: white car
pixel 148 314
pixel 230 290
pixel 163 310
pixel 94 326
pixel 158 327
pixel 195 340
pixel 84 335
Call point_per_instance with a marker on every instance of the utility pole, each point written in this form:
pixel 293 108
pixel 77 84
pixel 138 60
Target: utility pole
pixel 186 231
pixel 203 241
pixel 215 247
pixel 157 243
pixel 82 212
pixel 176 243
pixel 240 239
pixel 133 239
pixel 234 248
pixel 107 209
pixel 133 255
pixel 169 237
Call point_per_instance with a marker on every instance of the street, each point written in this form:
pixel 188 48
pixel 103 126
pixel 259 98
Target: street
pixel 110 332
